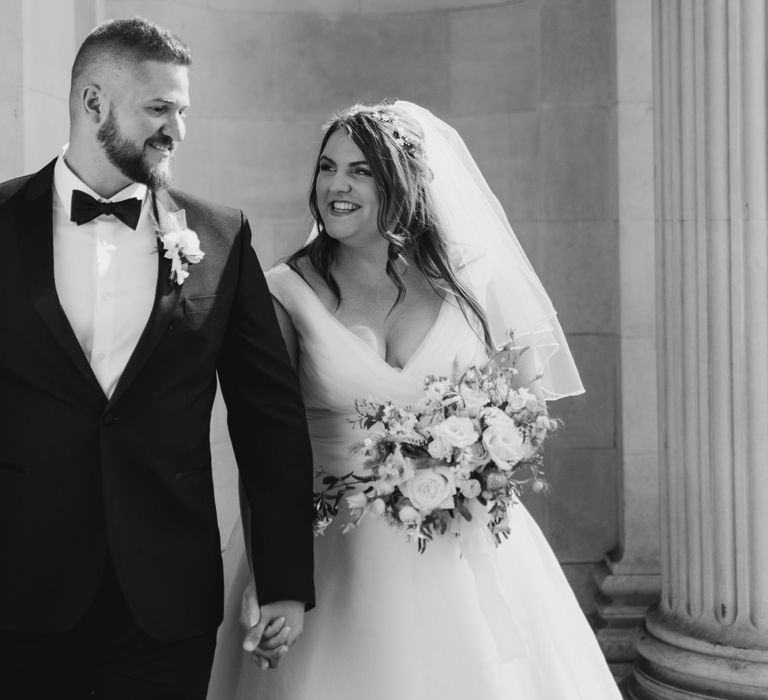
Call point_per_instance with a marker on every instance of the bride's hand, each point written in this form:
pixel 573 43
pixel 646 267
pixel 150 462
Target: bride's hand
pixel 278 626
pixel 272 646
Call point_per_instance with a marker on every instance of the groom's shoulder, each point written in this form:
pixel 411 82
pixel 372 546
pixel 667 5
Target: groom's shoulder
pixel 10 187
pixel 203 212
pixel 33 184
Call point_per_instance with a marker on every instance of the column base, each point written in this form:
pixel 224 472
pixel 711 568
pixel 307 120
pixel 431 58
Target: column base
pixel 674 665
pixel 621 604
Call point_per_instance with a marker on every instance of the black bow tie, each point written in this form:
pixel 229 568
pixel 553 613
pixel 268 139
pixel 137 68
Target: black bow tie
pixel 85 208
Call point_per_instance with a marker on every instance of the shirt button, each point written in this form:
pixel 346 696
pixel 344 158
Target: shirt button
pixel 100 356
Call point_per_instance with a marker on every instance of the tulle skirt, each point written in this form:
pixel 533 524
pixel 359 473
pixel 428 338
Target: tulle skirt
pixel 463 620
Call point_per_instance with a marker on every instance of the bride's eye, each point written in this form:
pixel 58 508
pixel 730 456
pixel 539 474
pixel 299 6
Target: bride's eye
pixel 325 167
pixel 363 171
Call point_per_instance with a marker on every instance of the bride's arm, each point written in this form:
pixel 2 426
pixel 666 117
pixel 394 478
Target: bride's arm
pixel 288 331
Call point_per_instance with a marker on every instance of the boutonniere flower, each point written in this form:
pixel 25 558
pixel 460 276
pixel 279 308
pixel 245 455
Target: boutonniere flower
pixel 181 244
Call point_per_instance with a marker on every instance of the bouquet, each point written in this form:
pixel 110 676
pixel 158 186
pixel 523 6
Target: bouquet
pixel 474 440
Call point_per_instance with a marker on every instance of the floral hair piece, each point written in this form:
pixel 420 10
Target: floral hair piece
pixel 406 143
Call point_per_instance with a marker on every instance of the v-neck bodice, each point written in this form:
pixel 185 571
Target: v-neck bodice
pixel 336 366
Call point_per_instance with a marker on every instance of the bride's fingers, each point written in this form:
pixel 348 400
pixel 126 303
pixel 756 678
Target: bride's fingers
pixel 268 643
pixel 268 659
pixel 253 637
pixel 274 627
pixel 275 661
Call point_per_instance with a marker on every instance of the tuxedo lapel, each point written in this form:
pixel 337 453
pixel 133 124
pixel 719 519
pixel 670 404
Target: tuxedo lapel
pixel 166 298
pixel 36 252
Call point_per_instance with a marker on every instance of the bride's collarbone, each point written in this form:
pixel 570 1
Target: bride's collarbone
pixel 368 311
pixel 395 333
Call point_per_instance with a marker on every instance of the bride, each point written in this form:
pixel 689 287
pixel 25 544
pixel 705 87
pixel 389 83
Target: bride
pixel 413 270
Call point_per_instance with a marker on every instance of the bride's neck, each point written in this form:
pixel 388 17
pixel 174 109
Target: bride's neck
pixel 368 263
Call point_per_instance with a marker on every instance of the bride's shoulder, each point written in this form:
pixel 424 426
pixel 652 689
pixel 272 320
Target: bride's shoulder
pixel 277 276
pixel 295 284
pixel 283 283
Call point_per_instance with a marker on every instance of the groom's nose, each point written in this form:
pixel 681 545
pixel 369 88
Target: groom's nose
pixel 175 127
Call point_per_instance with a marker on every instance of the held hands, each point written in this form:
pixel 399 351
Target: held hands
pixel 271 629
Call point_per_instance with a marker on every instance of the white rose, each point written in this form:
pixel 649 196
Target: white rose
pixel 504 443
pixel 456 431
pixel 430 489
pixel 439 449
pixel 471 488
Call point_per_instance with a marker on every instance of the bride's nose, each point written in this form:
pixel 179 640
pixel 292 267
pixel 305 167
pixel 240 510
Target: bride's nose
pixel 340 183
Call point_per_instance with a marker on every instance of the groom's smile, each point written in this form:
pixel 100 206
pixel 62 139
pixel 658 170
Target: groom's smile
pixel 145 123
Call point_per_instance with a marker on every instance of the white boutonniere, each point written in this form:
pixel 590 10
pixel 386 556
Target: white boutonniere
pixel 180 243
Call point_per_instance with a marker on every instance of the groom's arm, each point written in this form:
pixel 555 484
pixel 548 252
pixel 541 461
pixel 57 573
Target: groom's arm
pixel 267 425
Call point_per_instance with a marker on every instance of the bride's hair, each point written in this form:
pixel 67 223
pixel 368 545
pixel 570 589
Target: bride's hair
pixel 393 145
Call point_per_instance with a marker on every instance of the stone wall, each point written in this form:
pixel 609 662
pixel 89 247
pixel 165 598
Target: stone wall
pixel 530 86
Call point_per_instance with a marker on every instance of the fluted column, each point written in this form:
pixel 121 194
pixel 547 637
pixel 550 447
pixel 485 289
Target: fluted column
pixel 708 637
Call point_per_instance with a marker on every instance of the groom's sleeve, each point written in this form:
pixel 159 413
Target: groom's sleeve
pixel 267 425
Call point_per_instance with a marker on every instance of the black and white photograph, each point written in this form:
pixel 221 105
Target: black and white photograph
pixel 376 349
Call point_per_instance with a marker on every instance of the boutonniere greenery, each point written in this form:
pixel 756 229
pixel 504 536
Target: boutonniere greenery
pixel 181 244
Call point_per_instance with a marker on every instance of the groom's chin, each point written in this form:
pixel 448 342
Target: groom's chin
pixel 159 178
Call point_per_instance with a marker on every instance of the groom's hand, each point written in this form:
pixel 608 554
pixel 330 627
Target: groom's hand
pixel 249 619
pixel 277 627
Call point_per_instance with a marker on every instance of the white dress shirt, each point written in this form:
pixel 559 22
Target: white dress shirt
pixel 105 274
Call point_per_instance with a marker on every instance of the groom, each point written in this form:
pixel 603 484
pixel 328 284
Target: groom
pixel 120 303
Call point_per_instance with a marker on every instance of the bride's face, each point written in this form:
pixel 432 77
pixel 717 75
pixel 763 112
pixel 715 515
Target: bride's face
pixel 347 196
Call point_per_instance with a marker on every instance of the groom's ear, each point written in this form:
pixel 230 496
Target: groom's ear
pixel 94 104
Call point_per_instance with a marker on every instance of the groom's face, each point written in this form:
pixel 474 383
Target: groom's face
pixel 145 123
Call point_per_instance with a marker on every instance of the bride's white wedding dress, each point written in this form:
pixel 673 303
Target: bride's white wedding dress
pixel 459 621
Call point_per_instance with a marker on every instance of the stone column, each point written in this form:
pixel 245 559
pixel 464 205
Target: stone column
pixel 708 637
pixel 628 580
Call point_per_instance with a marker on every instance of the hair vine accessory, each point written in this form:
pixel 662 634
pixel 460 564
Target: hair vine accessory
pixel 407 144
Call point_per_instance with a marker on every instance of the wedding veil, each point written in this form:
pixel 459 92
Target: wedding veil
pixel 473 221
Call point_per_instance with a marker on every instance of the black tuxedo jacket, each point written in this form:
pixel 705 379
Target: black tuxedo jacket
pixel 82 476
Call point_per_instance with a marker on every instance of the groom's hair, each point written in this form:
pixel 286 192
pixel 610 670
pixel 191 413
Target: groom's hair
pixel 135 39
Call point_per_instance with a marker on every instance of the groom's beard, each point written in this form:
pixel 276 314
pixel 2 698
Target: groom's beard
pixel 129 159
